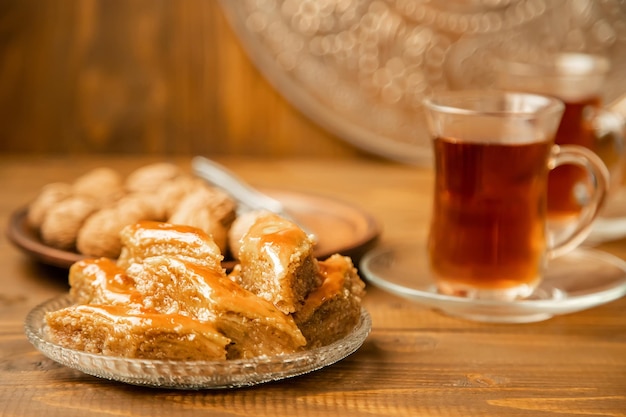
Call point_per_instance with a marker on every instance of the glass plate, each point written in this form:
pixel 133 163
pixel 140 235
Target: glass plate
pixel 191 374
pixel 582 279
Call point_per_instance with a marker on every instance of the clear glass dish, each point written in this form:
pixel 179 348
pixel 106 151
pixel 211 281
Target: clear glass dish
pixel 191 374
pixel 579 280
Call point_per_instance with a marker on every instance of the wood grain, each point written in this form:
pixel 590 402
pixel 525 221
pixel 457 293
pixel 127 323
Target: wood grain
pixel 140 76
pixel 416 362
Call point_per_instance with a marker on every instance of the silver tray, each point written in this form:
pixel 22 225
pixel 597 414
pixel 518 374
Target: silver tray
pixel 361 68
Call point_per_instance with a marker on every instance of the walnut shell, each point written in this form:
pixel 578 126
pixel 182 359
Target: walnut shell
pixel 100 235
pixel 148 178
pixel 102 184
pixel 171 192
pixel 49 195
pixel 208 209
pixel 63 221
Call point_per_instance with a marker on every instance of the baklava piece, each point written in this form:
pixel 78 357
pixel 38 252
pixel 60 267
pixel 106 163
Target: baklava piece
pixel 333 309
pixel 255 327
pixel 101 281
pixel 123 331
pixel 147 238
pixel 277 262
pixel 240 227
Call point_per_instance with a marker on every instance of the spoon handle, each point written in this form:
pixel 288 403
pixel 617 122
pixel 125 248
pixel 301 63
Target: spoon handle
pixel 245 194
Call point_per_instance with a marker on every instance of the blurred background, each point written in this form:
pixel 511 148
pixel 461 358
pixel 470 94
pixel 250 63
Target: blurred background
pixel 266 77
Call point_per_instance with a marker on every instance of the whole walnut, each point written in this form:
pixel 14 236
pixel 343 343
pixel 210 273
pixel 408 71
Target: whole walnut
pixel 208 209
pixel 63 221
pixel 100 235
pixel 102 184
pixel 171 192
pixel 150 177
pixel 49 195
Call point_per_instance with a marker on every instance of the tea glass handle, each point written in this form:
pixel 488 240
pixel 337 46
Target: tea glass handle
pixel 609 128
pixel 598 179
pixel 618 106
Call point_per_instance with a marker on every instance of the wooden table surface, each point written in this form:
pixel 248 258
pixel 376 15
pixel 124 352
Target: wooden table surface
pixel 415 362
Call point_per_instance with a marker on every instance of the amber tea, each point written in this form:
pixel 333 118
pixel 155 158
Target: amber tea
pixel 493 154
pixel 488 223
pixel 577 80
pixel 575 128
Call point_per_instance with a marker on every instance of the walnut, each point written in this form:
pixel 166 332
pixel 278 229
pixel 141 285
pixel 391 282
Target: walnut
pixel 158 192
pixel 63 221
pixel 49 195
pixel 208 209
pixel 102 184
pixel 148 178
pixel 100 235
pixel 171 192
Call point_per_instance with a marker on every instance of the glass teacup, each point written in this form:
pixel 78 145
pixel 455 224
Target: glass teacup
pixel 578 80
pixel 493 151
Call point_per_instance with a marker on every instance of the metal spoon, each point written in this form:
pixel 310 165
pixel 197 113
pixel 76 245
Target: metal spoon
pixel 246 195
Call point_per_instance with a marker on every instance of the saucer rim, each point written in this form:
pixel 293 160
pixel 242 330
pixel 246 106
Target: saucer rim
pixel 545 308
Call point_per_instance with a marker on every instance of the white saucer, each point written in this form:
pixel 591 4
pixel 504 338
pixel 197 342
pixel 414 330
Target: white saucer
pixel 579 280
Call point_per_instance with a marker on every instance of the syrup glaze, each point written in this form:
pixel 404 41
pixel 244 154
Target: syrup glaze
pixel 277 238
pixel 333 272
pixel 149 238
pixel 102 281
pixel 120 330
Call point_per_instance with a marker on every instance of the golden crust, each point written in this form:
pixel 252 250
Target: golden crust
pixel 255 326
pixel 145 239
pixel 101 281
pixel 147 335
pixel 240 227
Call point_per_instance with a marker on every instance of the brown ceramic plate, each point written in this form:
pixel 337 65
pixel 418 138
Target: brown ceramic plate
pixel 340 227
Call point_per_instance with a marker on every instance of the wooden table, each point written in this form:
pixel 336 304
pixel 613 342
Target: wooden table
pixel 416 362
